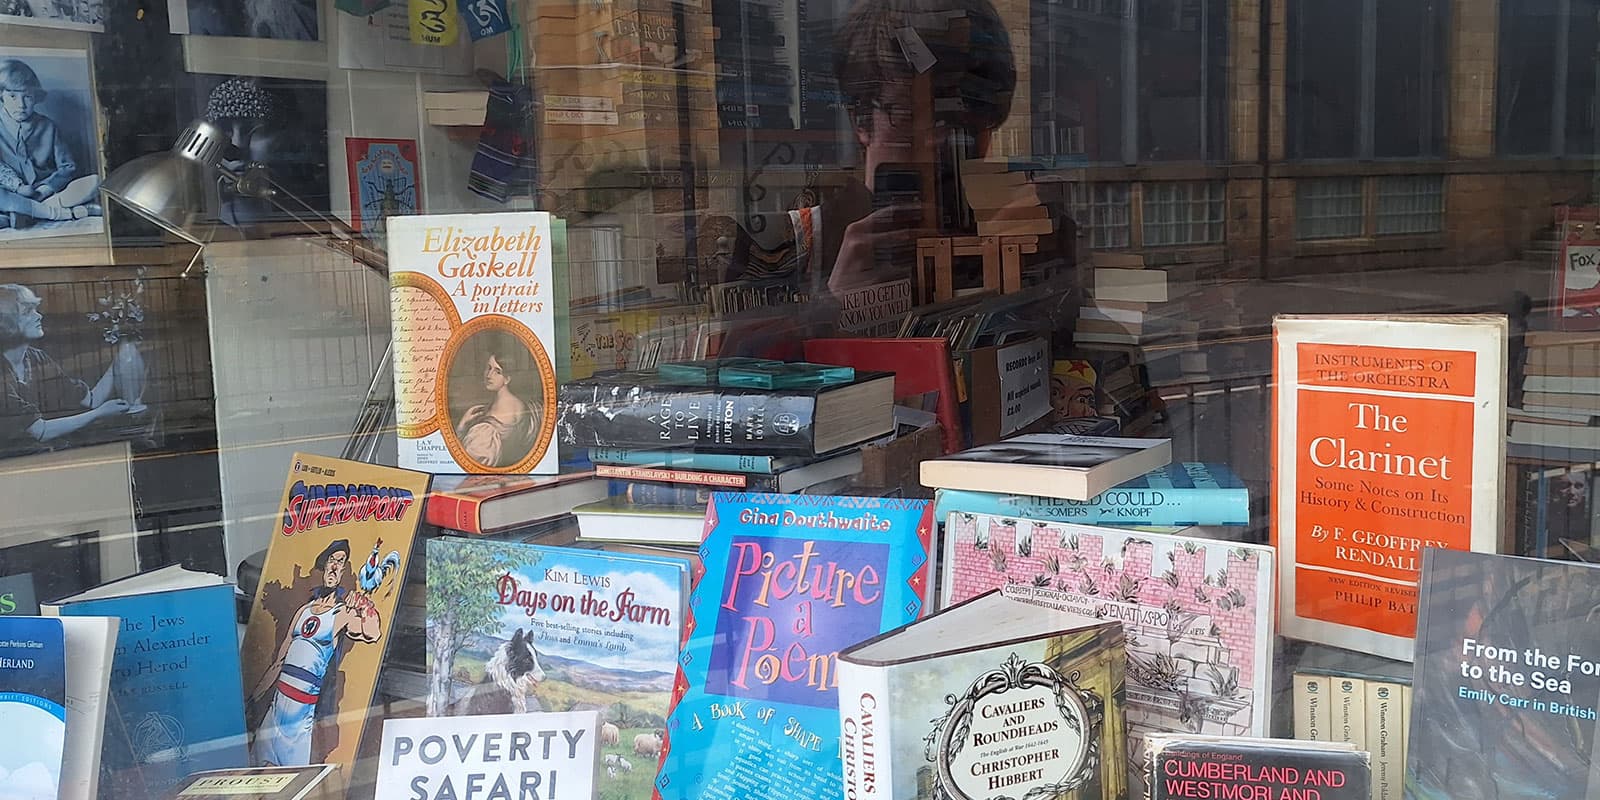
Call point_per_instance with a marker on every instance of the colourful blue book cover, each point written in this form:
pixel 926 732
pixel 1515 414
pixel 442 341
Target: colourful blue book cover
pixel 516 628
pixel 788 581
pixel 176 690
pixel 1176 495
pixel 33 714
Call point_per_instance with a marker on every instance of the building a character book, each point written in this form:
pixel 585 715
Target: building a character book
pixel 788 582
pixel 1198 612
pixel 323 610
pixel 1388 438
pixel 518 627
pixel 473 309
pixel 1507 675
pixel 1183 767
pixel 991 699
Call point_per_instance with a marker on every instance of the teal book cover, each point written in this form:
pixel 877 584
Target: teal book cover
pixel 33 714
pixel 787 582
pixel 1176 495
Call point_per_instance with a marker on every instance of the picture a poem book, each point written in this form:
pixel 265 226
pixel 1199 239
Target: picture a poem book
pixel 1388 438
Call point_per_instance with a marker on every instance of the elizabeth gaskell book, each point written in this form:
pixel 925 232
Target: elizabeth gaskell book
pixel 1389 437
pixel 473 311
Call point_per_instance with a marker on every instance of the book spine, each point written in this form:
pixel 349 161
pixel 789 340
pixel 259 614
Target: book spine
pixel 711 462
pixel 1124 507
pixel 865 746
pixel 454 513
pixel 596 414
pixel 1311 707
pixel 1349 711
pixel 661 494
pixel 731 481
pixel 1405 728
pixel 1383 739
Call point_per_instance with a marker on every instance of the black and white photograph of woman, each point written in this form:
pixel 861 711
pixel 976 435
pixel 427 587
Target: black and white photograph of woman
pixel 49 167
pixel 496 399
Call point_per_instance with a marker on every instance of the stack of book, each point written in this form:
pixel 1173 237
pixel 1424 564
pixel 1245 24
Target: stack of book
pixel 1361 700
pixel 1125 290
pixel 665 439
pixel 1559 419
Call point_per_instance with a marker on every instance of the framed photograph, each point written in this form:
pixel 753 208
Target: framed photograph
pixel 385 181
pixel 49 145
pixel 295 20
pixel 76 15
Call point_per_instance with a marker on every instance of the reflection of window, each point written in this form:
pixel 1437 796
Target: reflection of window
pixel 1337 208
pixel 1327 208
pixel 1187 212
pixel 1366 78
pixel 595 255
pixel 1545 92
pixel 1410 204
pixel 1101 211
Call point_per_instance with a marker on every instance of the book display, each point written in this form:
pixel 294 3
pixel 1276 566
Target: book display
pixel 799 400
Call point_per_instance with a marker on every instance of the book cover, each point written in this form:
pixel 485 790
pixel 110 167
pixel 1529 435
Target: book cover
pixel 16 595
pixel 1206 768
pixel 988 700
pixel 1577 269
pixel 520 627
pixel 319 622
pixel 175 684
pixel 532 755
pixel 471 304
pixel 1507 676
pixel 1197 612
pixel 1048 464
pixel 1389 437
pixel 1177 495
pixel 788 582
pixel 33 696
pixel 385 181
pixel 312 782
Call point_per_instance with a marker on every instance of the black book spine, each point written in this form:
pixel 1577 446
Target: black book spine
pixel 599 414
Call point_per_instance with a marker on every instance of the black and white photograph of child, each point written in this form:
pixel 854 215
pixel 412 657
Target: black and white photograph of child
pixel 49 156
pixel 256 19
pixel 82 15
pixel 278 123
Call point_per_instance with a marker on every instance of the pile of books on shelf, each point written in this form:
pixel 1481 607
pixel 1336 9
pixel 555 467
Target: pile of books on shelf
pixel 1345 696
pixel 1559 418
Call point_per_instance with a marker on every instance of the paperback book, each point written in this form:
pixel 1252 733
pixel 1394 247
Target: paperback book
pixel 1176 495
pixel 33 696
pixel 1048 465
pixel 788 582
pixel 473 307
pixel 1182 767
pixel 1389 438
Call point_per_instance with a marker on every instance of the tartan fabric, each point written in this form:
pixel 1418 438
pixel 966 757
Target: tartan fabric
pixel 505 163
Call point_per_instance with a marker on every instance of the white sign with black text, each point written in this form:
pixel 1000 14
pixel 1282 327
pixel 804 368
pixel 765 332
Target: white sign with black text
pixel 526 756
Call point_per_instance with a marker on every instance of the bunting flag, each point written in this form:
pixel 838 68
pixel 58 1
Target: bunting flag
pixel 362 8
pixel 434 22
pixel 486 18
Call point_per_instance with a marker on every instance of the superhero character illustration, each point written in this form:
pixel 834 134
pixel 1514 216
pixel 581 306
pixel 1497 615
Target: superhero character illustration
pixel 300 679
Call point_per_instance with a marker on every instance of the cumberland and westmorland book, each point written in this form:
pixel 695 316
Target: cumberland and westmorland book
pixel 991 699
pixel 1182 767
pixel 788 582
pixel 1389 437
pixel 473 308
pixel 321 618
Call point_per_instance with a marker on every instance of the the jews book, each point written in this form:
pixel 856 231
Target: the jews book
pixel 1048 465
pixel 1188 767
pixel 990 699
pixel 473 309
pixel 1389 437
pixel 788 582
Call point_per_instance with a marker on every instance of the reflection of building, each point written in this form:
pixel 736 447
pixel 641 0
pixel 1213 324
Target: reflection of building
pixel 924 784
pixel 1100 670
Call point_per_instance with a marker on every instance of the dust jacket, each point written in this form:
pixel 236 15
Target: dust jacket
pixel 1207 767
pixel 1388 438
pixel 788 581
pixel 473 310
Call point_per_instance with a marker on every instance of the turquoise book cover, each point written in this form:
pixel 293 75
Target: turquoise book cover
pixel 787 582
pixel 33 714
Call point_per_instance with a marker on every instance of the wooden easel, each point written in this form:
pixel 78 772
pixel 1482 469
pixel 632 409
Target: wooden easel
pixel 1002 263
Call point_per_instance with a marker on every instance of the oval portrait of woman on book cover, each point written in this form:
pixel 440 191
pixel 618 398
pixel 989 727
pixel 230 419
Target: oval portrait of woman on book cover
pixel 496 383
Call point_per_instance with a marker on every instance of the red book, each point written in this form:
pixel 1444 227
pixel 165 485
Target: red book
pixel 488 503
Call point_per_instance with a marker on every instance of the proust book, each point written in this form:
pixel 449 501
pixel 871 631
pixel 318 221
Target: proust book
pixel 473 309
pixel 324 609
pixel 1183 767
pixel 1388 437
pixel 788 582
pixel 991 699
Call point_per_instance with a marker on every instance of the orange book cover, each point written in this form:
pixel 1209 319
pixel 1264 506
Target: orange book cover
pixel 1388 438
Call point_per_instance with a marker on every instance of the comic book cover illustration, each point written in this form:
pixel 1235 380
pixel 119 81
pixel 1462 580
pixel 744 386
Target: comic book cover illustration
pixel 385 181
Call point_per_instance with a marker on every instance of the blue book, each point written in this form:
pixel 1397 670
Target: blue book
pixel 687 459
pixel 33 697
pixel 1177 495
pixel 177 703
pixel 788 581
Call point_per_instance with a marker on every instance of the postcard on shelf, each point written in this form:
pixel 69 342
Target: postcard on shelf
pixel 1389 437
pixel 990 699
pixel 519 627
pixel 385 181
pixel 528 755
pixel 472 304
pixel 322 614
pixel 1183 767
pixel 788 582
pixel 1048 465
pixel 33 711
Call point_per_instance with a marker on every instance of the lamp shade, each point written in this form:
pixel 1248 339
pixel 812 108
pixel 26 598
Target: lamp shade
pixel 165 188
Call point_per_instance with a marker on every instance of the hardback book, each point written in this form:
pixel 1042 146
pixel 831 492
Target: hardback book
pixel 1048 465
pixel 514 628
pixel 1197 612
pixel 472 305
pixel 1507 676
pixel 1389 438
pixel 321 616
pixel 530 755
pixel 90 642
pixel 33 713
pixel 1176 495
pixel 788 582
pixel 791 479
pixel 636 410
pixel 616 519
pixel 1184 767
pixel 694 460
pixel 312 782
pixel 491 503
pixel 175 677
pixel 990 699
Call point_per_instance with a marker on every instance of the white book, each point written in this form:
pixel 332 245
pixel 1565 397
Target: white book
pixel 1561 383
pixel 1131 285
pixel 1048 465
pixel 90 643
pixel 1549 435
pixel 1111 314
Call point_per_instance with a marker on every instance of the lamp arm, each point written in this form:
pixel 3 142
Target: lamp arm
pixel 255 181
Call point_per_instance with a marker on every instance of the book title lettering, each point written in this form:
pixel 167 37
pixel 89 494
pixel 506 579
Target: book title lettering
pixel 1526 667
pixel 509 592
pixel 325 505
pixel 512 258
pixel 1201 778
pixel 1334 452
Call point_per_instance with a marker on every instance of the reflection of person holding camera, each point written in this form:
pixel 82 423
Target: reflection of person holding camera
pixel 501 430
